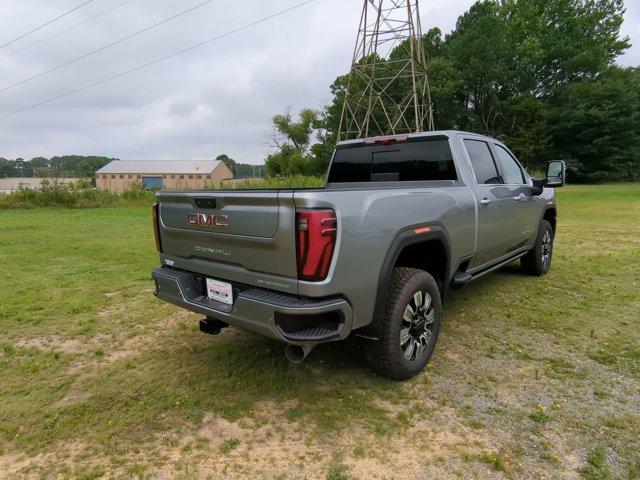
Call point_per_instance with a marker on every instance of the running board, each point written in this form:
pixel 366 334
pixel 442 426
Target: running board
pixel 460 279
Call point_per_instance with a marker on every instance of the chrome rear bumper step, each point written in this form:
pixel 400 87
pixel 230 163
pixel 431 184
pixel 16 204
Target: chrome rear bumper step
pixel 283 317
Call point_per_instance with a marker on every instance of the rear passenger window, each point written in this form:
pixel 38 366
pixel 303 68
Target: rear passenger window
pixel 510 169
pixel 482 162
pixel 427 158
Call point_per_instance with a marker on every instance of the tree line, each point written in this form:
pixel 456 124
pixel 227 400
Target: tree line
pixel 69 166
pixel 242 170
pixel 78 166
pixel 540 76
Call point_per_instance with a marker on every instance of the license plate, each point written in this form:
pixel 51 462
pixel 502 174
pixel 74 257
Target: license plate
pixel 219 291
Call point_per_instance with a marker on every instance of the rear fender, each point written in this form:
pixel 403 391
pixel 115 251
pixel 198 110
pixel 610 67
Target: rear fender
pixel 404 239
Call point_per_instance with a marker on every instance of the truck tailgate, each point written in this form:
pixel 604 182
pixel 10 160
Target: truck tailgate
pixel 239 236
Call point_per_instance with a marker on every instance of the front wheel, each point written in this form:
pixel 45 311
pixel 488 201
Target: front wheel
pixel 408 335
pixel 537 261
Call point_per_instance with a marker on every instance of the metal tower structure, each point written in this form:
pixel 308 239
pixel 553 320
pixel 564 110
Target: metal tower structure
pixel 388 87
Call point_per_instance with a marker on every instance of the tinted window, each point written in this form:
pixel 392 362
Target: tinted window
pixel 482 162
pixel 510 168
pixel 421 159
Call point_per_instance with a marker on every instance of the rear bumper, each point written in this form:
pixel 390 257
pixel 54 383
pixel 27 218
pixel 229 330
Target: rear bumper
pixel 284 317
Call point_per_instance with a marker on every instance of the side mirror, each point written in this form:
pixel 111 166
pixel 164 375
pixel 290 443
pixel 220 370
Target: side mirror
pixel 556 176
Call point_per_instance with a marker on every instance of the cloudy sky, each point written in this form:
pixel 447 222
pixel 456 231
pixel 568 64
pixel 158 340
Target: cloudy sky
pixel 214 99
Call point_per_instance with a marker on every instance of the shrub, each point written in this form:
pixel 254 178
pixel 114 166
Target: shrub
pixel 137 193
pixel 76 195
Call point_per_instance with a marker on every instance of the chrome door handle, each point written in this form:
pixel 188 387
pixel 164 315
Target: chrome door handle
pixel 520 197
pixel 485 201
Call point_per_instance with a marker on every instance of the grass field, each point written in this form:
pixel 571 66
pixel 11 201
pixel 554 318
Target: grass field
pixel 532 378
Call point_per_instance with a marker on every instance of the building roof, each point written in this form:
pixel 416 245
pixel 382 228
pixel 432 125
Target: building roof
pixel 160 166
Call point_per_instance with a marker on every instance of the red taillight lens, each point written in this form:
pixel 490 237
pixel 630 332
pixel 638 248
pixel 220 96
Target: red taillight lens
pixel 316 238
pixel 156 229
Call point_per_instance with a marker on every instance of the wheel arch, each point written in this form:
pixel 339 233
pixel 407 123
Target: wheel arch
pixel 411 250
pixel 550 214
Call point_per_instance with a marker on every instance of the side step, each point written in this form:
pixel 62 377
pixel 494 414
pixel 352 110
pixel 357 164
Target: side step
pixel 460 279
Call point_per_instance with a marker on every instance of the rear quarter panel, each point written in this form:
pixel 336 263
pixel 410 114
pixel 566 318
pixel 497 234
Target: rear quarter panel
pixel 369 220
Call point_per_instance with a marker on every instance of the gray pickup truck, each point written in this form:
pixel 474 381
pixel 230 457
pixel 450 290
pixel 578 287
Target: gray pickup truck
pixel 402 219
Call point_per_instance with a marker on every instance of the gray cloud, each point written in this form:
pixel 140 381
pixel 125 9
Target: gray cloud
pixel 215 99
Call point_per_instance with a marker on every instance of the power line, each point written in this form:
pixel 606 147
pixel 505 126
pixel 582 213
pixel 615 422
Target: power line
pixel 46 23
pixel 158 60
pixel 109 45
pixel 31 45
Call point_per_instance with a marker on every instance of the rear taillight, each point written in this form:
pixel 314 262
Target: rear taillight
pixel 156 227
pixel 316 238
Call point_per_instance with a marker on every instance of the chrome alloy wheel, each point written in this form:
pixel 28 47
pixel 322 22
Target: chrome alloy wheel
pixel 546 248
pixel 417 325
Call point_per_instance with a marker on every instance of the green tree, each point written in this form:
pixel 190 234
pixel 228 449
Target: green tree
pixel 293 141
pixel 557 42
pixel 84 169
pixel 525 126
pixel 241 170
pixel 7 168
pixel 228 161
pixel 40 166
pixel 597 126
pixel 511 69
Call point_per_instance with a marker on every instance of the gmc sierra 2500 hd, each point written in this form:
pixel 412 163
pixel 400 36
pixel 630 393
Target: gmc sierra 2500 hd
pixel 402 219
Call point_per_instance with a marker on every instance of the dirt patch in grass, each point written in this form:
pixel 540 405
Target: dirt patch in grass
pixel 276 449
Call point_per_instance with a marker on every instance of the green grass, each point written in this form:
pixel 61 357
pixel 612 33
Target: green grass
pixel 97 378
pixel 498 462
pixel 228 445
pixel 596 468
pixel 338 472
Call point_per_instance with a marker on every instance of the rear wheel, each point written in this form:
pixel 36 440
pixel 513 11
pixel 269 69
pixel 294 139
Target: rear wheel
pixel 538 261
pixel 408 335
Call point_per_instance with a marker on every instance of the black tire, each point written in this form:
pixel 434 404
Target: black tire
pixel 538 261
pixel 388 355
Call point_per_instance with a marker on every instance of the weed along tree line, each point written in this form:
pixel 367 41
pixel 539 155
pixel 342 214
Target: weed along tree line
pixel 540 76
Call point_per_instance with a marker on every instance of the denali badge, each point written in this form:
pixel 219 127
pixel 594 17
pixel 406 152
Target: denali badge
pixel 213 251
pixel 204 220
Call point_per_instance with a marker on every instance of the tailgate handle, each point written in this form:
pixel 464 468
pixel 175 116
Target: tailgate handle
pixel 204 202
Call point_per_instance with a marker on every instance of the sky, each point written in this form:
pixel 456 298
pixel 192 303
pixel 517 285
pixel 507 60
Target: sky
pixel 215 99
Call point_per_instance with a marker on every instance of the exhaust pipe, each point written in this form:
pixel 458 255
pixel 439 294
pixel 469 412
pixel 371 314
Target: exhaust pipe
pixel 297 353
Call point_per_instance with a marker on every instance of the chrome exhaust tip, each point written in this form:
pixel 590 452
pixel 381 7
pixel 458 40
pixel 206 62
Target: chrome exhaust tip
pixel 297 353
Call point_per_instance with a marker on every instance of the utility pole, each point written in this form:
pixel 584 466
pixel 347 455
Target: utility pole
pixel 388 86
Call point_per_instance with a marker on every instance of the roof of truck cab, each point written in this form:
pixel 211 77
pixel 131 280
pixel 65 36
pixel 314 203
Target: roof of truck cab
pixel 434 133
pixel 160 166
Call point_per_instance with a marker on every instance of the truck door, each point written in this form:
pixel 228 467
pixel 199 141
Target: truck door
pixel 517 181
pixel 498 222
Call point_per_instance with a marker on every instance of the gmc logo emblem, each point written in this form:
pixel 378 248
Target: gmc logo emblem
pixel 207 221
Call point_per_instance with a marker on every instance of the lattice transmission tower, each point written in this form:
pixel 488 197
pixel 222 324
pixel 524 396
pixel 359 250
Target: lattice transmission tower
pixel 388 87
